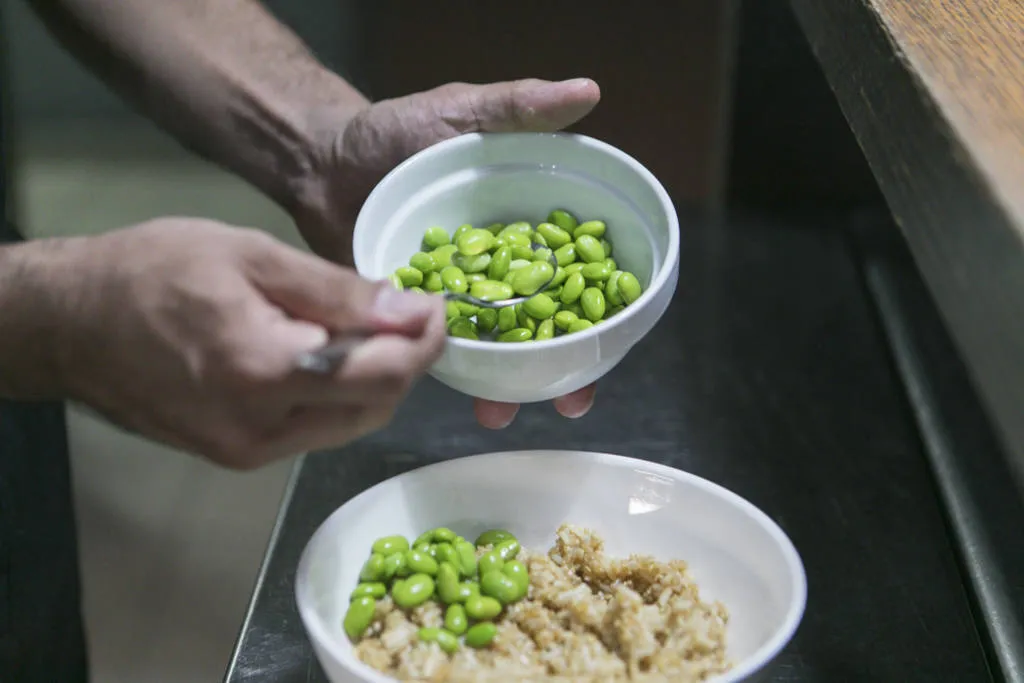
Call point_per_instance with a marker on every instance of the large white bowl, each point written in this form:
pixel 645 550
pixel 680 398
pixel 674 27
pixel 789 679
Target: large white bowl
pixel 737 554
pixel 486 178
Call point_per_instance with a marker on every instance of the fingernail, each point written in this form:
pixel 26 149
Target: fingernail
pixel 397 308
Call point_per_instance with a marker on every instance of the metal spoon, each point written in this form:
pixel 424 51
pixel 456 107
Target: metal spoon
pixel 330 356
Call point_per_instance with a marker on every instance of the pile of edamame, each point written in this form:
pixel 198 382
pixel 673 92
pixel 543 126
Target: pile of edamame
pixel 499 262
pixel 442 566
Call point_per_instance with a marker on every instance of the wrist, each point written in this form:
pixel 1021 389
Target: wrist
pixel 36 296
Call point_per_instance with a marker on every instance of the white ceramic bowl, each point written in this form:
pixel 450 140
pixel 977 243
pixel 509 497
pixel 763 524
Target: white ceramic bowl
pixel 736 553
pixel 486 178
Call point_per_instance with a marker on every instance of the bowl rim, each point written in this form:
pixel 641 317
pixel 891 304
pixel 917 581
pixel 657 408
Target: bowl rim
pixel 767 652
pixel 665 268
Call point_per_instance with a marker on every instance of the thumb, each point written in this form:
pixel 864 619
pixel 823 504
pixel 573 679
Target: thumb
pixel 311 289
pixel 528 105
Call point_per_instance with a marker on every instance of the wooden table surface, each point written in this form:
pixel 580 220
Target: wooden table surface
pixel 934 91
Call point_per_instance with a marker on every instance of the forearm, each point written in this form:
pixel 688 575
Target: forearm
pixel 32 295
pixel 223 76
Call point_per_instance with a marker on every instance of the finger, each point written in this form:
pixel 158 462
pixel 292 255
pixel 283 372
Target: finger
pixel 309 288
pixel 576 404
pixel 529 105
pixel 494 415
pixel 378 371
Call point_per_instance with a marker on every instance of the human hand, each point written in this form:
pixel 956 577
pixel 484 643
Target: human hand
pixel 383 135
pixel 186 331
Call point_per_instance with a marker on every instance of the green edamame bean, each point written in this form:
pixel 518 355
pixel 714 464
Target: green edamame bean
pixel 579 326
pixel 491 561
pixel 563 219
pixel 590 228
pixel 393 564
pixel 373 569
pixel 500 587
pixel 491 290
pixel 514 239
pixel 454 280
pixel 507 549
pixel 560 277
pixel 433 282
pixel 463 328
pixel 516 571
pixel 543 254
pixel 493 537
pixel 517 334
pixel 592 301
pixel 611 289
pixel 518 264
pixel 589 249
pixel 483 608
pixel 446 553
pixel 540 307
pixel 487 320
pixel 532 278
pixel 476 263
pixel 521 252
pixel 396 282
pixel 545 330
pixel 521 227
pixel 414 591
pixel 475 241
pixel 455 619
pixel 373 589
pixel 596 272
pixel 629 288
pixel 475 277
pixel 423 262
pixel 523 319
pixel 554 292
pixel 467 590
pixel 436 237
pixel 427 536
pixel 495 228
pixel 467 557
pixel 613 311
pixel 443 255
pixel 607 246
pixel 573 288
pixel 554 235
pixel 507 319
pixel 481 635
pixel 421 562
pixel 358 617
pixel 459 231
pixel 390 544
pixel 467 309
pixel 610 262
pixel 450 311
pixel 448 642
pixel 564 318
pixel 409 276
pixel 566 254
pixel 574 267
pixel 574 308
pixel 418 290
pixel 447 583
pixel 501 259
pixel 539 239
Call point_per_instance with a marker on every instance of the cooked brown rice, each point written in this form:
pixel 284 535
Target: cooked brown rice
pixel 588 618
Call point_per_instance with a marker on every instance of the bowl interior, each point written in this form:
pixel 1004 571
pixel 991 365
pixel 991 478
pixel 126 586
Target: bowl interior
pixel 483 179
pixel 736 554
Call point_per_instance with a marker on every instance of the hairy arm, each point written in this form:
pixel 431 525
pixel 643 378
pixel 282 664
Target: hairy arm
pixel 223 76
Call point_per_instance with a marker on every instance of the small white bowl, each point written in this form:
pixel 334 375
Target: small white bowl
pixel 736 553
pixel 487 178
